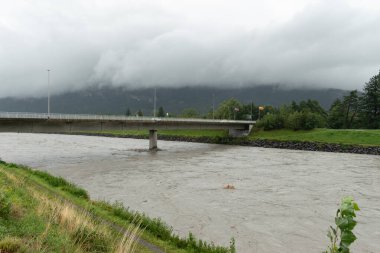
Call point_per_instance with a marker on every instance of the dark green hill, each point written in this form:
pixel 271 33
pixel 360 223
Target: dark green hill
pixel 116 100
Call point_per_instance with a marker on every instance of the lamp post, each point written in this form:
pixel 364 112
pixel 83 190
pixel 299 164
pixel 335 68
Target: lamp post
pixel 48 79
pixel 213 106
pixel 154 102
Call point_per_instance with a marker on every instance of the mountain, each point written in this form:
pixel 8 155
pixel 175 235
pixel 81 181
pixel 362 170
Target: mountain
pixel 110 100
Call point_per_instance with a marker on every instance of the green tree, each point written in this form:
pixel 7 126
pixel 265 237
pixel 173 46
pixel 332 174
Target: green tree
pixel 351 106
pixel 311 106
pixel 229 109
pixel 161 112
pixel 336 116
pixel 128 112
pixel 370 103
pixel 140 113
pixel 189 113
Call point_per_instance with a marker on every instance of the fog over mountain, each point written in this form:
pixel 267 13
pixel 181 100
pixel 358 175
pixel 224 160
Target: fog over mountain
pixel 112 100
pixel 190 43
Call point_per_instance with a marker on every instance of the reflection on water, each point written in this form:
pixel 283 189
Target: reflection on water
pixel 284 200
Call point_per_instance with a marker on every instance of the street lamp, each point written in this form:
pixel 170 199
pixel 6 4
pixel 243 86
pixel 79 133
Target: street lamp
pixel 213 106
pixel 154 102
pixel 48 79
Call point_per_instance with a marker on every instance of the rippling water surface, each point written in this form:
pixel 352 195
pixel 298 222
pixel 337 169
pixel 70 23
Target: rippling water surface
pixel 284 200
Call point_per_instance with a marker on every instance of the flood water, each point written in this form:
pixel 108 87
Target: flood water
pixel 284 200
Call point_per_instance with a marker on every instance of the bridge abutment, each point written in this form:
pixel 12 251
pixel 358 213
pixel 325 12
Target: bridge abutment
pixel 152 139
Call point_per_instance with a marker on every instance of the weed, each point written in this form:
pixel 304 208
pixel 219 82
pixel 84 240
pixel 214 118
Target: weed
pixel 345 223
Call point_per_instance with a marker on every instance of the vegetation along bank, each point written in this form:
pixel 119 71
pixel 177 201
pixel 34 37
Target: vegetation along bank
pixel 43 213
pixel 351 124
pixel 327 140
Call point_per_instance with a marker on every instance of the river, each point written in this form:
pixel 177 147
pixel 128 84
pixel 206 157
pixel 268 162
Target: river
pixel 284 200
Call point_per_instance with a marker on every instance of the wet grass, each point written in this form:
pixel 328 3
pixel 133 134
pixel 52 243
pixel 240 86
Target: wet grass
pixel 337 136
pixel 155 230
pixel 33 220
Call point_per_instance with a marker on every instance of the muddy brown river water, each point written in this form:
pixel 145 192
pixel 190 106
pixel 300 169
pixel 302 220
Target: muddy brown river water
pixel 284 200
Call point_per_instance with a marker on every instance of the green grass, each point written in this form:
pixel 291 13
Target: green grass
pixel 361 137
pixel 22 228
pixel 181 133
pixel 156 231
pixel 337 136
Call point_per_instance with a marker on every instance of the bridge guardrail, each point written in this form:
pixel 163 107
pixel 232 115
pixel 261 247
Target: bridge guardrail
pixel 58 116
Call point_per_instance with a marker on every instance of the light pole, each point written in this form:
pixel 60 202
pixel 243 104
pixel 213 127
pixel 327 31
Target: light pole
pixel 213 106
pixel 154 102
pixel 48 79
pixel 252 110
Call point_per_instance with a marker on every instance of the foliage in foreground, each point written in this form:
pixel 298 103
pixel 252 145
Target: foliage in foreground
pixel 341 237
pixel 162 231
pixel 154 226
pixel 58 182
pixel 34 221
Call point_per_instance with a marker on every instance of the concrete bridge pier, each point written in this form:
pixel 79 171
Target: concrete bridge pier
pixel 152 139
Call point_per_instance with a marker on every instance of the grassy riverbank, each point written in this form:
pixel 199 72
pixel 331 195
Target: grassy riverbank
pixel 361 137
pixel 329 136
pixel 42 213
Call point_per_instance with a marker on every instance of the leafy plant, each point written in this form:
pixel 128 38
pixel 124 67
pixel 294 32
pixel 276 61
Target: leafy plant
pixel 341 237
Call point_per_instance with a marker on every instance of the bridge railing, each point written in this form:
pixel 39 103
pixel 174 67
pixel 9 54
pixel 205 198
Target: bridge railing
pixel 58 116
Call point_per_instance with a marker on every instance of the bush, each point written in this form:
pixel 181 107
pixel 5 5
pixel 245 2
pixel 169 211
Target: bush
pixel 304 121
pixel 271 122
pixel 341 237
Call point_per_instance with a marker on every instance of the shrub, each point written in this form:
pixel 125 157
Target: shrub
pixel 304 121
pixel 345 223
pixel 271 122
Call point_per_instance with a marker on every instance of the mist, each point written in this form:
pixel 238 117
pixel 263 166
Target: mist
pixel 142 44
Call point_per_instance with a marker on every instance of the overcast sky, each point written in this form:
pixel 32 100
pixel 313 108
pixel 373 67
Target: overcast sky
pixel 223 43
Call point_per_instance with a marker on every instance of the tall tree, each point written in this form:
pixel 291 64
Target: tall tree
pixel 335 118
pixel 189 113
pixel 128 112
pixel 161 112
pixel 229 109
pixel 370 104
pixel 351 106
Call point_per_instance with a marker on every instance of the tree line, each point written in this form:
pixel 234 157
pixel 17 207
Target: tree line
pixel 358 109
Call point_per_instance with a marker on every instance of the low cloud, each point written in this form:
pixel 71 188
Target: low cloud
pixel 139 45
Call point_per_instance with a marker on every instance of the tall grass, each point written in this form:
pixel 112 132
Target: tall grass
pixel 58 182
pixel 154 226
pixel 162 231
pixel 54 219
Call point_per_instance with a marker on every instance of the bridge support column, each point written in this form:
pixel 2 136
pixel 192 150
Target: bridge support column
pixel 152 139
pixel 238 132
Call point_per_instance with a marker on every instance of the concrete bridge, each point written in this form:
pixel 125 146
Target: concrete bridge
pixel 71 123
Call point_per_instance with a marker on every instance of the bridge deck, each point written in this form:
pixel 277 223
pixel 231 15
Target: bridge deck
pixel 69 123
pixel 56 116
pixel 84 122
